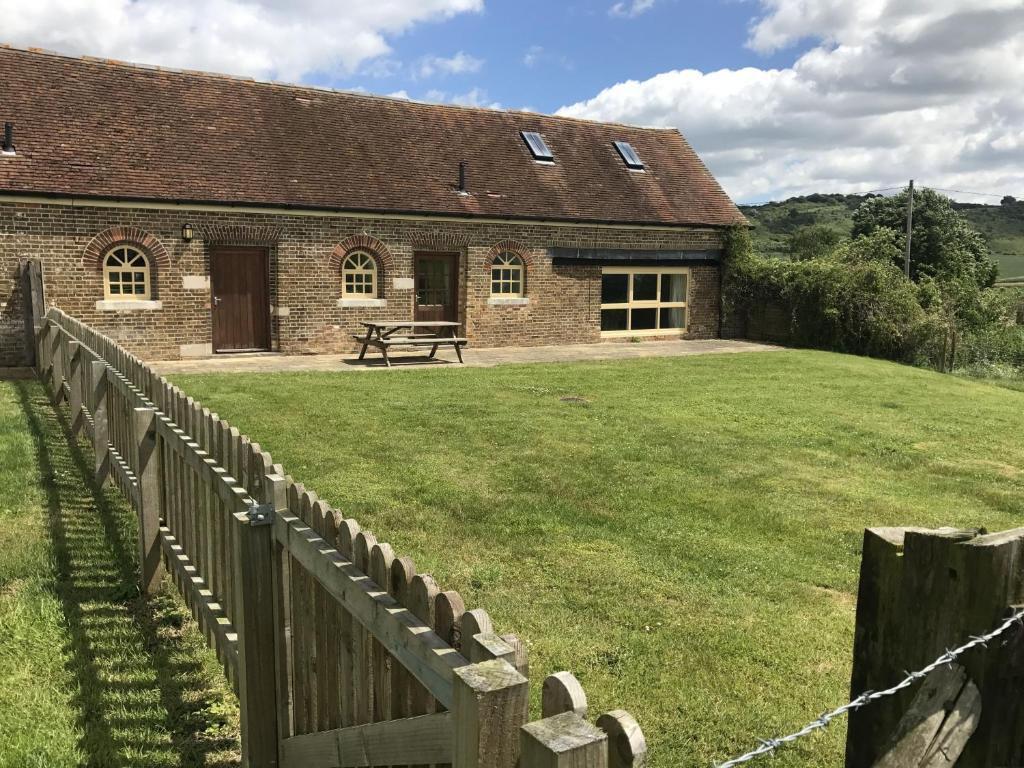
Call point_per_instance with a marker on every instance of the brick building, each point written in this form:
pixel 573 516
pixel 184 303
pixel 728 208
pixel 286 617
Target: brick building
pixel 189 214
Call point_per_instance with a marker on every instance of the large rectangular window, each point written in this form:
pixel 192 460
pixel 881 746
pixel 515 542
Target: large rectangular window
pixel 643 300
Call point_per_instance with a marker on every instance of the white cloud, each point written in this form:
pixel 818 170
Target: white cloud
pixel 475 97
pixel 881 92
pixel 459 64
pixel 285 39
pixel 631 9
pixel 533 55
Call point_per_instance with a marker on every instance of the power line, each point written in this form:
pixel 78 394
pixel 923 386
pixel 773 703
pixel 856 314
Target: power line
pixel 965 192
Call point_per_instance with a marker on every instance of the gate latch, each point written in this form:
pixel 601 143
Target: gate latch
pixel 261 514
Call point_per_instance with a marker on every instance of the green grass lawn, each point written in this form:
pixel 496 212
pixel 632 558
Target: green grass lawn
pixel 686 541
pixel 90 673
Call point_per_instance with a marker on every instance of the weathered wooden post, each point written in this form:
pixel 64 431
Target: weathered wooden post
pixel 490 706
pixel 258 664
pixel 98 406
pixel 275 493
pixel 56 363
pixel 923 592
pixel 75 386
pixel 564 741
pixel 34 307
pixel 150 498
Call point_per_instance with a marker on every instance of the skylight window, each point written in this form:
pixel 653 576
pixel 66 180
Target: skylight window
pixel 538 148
pixel 629 155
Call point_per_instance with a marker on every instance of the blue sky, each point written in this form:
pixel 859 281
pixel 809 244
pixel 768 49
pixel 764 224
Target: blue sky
pixel 543 55
pixel 779 97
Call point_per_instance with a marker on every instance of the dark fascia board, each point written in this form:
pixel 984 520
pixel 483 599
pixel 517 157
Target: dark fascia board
pixel 640 258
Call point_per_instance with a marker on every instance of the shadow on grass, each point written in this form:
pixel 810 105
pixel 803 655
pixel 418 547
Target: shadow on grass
pixel 148 693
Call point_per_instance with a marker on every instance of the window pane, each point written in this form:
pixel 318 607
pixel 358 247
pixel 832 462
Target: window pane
pixel 644 319
pixel 140 288
pixel 614 289
pixel 139 277
pixel 673 317
pixel 115 288
pixel 126 277
pixel 614 319
pixel 673 288
pixel 645 287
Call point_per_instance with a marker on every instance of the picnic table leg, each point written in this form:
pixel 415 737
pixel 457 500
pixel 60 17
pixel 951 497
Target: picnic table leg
pixel 366 343
pixel 433 351
pixel 458 351
pixel 384 351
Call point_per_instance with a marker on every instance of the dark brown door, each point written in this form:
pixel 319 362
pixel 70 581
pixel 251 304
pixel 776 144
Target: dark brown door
pixel 240 299
pixel 437 286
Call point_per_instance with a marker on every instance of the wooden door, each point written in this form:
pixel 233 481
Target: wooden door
pixel 437 286
pixel 240 299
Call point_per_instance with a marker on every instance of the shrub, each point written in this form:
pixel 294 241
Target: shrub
pixel 862 307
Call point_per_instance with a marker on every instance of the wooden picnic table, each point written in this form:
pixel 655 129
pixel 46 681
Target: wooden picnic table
pixel 383 334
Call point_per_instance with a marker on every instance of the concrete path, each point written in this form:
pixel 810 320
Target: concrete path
pixel 476 358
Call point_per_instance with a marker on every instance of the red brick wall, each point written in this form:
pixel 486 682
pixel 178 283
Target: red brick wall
pixel 563 302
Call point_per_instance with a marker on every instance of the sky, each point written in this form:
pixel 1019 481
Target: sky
pixel 779 97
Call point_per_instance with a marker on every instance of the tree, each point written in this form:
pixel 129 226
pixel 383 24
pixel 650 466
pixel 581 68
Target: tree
pixel 880 245
pixel 1008 200
pixel 944 245
pixel 813 242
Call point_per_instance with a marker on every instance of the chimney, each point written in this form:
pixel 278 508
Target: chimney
pixel 462 178
pixel 8 145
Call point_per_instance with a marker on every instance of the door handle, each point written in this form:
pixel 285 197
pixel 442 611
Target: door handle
pixel 216 300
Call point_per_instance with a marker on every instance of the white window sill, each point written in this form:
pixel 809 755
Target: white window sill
pixel 510 301
pixel 120 305
pixel 362 302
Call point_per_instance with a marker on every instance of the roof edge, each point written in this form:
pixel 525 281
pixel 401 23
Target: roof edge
pixel 57 198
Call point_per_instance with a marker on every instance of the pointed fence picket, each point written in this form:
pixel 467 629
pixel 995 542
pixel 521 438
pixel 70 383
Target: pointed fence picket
pixel 341 653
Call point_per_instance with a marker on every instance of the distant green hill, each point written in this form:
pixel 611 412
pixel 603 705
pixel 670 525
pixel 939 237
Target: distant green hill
pixel 1002 225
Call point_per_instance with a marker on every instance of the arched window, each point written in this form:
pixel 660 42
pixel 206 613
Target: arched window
pixel 359 276
pixel 507 276
pixel 126 274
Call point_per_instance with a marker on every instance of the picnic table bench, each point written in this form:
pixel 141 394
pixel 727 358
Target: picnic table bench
pixel 384 334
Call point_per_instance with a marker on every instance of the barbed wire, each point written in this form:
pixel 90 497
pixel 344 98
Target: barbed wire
pixel 769 746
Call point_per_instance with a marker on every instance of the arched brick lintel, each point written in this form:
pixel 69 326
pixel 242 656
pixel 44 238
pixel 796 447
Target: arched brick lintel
pixel 101 244
pixel 509 246
pixel 367 243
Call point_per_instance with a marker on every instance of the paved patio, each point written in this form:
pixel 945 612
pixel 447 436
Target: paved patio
pixel 475 358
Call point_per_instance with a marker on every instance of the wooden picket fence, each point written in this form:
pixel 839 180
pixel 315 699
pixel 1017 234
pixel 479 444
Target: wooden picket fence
pixel 340 652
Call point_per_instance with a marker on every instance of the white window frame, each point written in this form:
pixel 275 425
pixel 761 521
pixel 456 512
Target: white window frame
pixel 513 263
pixel 656 304
pixel 362 270
pixel 130 253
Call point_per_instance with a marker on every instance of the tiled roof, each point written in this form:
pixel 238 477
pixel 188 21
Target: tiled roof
pixel 95 128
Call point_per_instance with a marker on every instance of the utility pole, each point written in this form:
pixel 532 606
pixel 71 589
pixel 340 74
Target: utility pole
pixel 910 229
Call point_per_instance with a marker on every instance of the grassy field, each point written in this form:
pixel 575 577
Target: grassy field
pixel 685 538
pixel 90 674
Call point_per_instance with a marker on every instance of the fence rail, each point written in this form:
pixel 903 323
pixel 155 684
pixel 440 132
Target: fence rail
pixel 340 652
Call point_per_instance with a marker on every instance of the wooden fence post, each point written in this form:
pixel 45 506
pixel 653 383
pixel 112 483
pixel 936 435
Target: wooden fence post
pixel 923 592
pixel 490 706
pixel 564 741
pixel 275 492
pixel 75 377
pixel 34 307
pixel 98 406
pixel 56 363
pixel 150 508
pixel 258 664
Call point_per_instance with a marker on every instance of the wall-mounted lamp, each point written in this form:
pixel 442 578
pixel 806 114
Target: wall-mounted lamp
pixel 186 232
